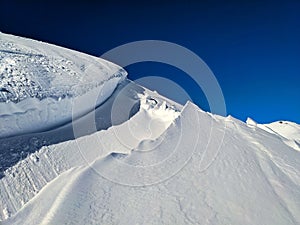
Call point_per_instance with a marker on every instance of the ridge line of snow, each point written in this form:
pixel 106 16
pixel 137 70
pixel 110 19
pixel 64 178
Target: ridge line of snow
pixel 242 170
pixel 68 163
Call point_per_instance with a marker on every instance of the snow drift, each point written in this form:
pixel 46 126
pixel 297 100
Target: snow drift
pixel 165 164
pixel 39 79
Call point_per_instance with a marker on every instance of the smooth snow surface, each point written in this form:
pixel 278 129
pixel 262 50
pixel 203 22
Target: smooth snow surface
pixel 39 79
pixel 164 164
pixel 155 115
pixel 289 132
pixel 207 170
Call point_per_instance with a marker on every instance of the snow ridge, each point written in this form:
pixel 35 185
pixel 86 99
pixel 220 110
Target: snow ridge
pixel 40 81
pixel 248 182
pixel 165 164
pixel 29 176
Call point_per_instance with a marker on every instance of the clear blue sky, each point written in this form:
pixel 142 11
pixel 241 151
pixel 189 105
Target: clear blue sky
pixel 253 47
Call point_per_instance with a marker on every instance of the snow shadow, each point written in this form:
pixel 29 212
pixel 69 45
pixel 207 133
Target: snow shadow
pixel 14 149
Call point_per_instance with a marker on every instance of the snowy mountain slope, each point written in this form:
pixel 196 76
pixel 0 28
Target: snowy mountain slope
pixel 38 78
pixel 289 132
pixel 77 153
pixel 252 179
pixel 148 160
pixel 286 129
pixel 13 149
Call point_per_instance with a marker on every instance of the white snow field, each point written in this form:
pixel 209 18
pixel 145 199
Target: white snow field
pixel 164 164
pixel 38 79
pixel 289 132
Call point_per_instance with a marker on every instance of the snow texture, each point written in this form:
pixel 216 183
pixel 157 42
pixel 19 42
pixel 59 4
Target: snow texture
pixel 37 79
pixel 246 176
pixel 164 164
pixel 289 132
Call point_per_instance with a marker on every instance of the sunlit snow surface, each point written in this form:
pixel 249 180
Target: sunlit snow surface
pixel 34 69
pixel 288 131
pixel 37 79
pixel 164 164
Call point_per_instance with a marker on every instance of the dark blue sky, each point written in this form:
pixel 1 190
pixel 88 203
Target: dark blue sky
pixel 253 47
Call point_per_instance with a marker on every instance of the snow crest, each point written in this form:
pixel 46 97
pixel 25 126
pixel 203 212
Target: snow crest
pixel 29 176
pixel 289 132
pixel 40 81
pixel 247 182
pixel 165 164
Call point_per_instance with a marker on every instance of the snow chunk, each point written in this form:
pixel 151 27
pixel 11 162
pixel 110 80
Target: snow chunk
pixel 158 109
pixel 251 122
pixel 6 213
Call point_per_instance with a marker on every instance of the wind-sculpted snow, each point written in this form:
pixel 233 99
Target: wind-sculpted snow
pixel 14 149
pixel 39 82
pixel 218 171
pixel 144 159
pixel 29 176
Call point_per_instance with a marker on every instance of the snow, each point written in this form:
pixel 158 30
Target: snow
pixel 251 122
pixel 288 131
pixel 163 164
pixel 142 126
pixel 254 179
pixel 37 79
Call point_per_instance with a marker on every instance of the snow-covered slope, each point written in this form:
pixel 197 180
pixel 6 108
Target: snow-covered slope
pixel 148 124
pixel 286 129
pixel 289 132
pixel 37 79
pixel 165 164
pixel 202 169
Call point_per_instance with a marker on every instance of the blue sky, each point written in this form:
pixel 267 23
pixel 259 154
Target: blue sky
pixel 252 47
